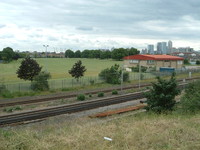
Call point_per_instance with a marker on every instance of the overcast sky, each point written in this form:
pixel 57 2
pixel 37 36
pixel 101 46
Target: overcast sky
pixel 94 24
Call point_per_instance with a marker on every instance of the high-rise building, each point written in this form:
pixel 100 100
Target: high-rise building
pixel 169 47
pixel 161 48
pixel 150 49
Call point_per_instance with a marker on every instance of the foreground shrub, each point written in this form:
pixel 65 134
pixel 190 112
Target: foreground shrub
pixel 101 94
pixel 190 101
pixel 114 92
pixel 81 97
pixel 161 97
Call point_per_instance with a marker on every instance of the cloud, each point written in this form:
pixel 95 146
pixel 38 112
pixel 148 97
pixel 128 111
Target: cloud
pixel 90 20
pixel 85 28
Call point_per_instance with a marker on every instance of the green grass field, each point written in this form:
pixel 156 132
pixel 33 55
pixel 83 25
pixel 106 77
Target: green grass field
pixel 58 67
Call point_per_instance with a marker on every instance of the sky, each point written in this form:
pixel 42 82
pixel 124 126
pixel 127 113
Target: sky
pixel 27 25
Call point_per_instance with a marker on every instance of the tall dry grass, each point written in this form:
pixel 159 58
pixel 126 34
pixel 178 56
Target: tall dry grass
pixel 135 132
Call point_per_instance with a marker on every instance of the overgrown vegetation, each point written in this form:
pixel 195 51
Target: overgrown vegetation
pixel 101 94
pixel 114 92
pixel 40 82
pixel 113 75
pixel 161 97
pixel 81 97
pixel 190 101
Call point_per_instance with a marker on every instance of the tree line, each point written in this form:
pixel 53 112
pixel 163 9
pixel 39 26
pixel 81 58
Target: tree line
pixel 117 53
pixel 7 54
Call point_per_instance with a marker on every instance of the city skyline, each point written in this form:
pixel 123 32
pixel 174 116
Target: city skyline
pixel 27 25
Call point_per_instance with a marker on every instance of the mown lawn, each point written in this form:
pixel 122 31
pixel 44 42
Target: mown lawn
pixel 58 67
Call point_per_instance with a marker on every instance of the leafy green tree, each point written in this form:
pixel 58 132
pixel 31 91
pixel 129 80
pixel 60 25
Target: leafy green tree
pixel 28 69
pixel 105 54
pixel 77 70
pixel 77 54
pixel 7 54
pixel 133 51
pixel 186 62
pixel 198 62
pixel 85 54
pixel 69 54
pixel 40 81
pixel 113 75
pixel 161 97
pixel 119 53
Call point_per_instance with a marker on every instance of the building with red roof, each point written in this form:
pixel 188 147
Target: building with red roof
pixel 157 61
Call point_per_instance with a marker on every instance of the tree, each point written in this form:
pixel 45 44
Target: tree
pixel 28 69
pixel 186 62
pixel 198 62
pixel 119 53
pixel 40 82
pixel 7 54
pixel 113 75
pixel 161 96
pixel 77 54
pixel 69 54
pixel 77 70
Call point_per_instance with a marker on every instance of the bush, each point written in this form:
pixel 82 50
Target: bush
pixel 190 101
pixel 101 94
pixel 113 75
pixel 40 82
pixel 136 69
pixel 161 96
pixel 198 62
pixel 114 92
pixel 11 109
pixel 81 97
pixel 90 95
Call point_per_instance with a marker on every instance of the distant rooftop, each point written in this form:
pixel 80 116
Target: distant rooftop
pixel 153 57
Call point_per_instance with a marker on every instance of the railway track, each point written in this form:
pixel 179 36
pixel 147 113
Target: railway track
pixel 5 103
pixel 69 108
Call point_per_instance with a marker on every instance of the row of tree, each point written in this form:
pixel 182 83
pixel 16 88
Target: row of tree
pixel 117 53
pixel 7 55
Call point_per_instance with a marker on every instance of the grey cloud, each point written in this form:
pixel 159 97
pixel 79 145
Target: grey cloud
pixel 153 19
pixel 85 28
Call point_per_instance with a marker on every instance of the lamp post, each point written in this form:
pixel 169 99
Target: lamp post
pixel 46 52
pixel 46 49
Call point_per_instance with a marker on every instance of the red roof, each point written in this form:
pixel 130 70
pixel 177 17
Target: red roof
pixel 153 57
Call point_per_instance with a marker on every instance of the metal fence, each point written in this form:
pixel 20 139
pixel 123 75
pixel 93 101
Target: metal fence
pixel 70 83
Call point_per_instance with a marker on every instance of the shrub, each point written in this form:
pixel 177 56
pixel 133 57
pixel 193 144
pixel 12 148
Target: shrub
pixel 161 96
pixel 190 101
pixel 101 94
pixel 113 75
pixel 90 95
pixel 81 97
pixel 40 82
pixel 114 92
pixel 11 109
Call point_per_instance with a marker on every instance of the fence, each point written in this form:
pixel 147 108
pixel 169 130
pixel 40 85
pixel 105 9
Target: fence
pixel 70 83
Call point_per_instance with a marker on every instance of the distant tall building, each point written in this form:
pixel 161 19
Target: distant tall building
pixel 161 48
pixel 150 49
pixel 169 47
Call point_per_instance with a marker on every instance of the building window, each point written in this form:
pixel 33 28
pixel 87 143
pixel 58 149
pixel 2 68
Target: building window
pixel 166 61
pixel 134 61
pixel 150 61
pixel 180 62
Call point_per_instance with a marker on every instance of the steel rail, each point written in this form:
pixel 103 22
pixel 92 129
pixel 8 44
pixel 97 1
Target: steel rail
pixel 70 108
pixel 38 100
